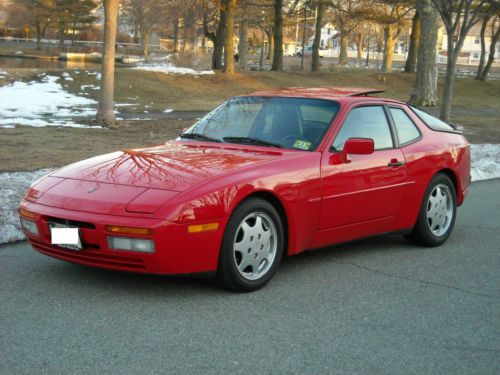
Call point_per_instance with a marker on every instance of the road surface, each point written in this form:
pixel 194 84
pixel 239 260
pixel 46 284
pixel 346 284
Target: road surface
pixel 376 306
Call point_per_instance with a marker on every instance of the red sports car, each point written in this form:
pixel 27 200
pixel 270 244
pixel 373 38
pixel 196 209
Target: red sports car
pixel 264 175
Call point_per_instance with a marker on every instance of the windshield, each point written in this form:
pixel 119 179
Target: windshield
pixel 295 123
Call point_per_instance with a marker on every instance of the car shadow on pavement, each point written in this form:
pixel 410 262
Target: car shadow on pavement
pixel 303 264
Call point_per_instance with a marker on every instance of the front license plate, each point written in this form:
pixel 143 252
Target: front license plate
pixel 65 236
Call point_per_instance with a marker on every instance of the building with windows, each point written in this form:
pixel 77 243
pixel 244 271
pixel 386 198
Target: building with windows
pixel 471 50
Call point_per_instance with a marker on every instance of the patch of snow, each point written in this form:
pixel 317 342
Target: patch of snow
pixel 124 104
pixel 92 87
pixel 168 110
pixel 12 188
pixel 27 103
pixel 8 126
pixel 3 73
pixel 485 161
pixel 169 68
pixel 67 77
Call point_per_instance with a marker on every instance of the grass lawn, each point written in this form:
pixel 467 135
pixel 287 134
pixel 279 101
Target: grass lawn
pixel 476 106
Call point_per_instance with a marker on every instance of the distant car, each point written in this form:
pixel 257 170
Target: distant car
pixel 308 51
pixel 264 175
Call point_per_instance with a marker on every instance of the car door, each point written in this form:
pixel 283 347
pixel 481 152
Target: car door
pixel 368 189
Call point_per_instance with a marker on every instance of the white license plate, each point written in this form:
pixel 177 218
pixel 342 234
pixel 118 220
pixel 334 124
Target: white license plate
pixel 65 236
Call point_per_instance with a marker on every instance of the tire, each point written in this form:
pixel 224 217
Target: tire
pixel 437 213
pixel 252 246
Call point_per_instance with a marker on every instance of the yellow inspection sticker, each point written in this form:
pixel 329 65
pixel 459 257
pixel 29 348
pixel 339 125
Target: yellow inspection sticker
pixel 303 145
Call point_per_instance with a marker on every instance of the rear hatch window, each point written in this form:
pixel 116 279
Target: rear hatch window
pixel 433 122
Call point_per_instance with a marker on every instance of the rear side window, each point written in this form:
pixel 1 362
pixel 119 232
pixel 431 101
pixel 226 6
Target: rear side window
pixel 433 122
pixel 406 129
pixel 365 122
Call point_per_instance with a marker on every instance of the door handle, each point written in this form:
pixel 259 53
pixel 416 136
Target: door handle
pixel 395 163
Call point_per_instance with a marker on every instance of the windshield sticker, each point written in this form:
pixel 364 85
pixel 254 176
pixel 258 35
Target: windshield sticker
pixel 302 145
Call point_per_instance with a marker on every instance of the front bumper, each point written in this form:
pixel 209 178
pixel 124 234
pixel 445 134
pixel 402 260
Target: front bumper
pixel 176 250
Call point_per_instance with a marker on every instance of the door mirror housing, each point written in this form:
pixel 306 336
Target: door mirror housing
pixel 357 146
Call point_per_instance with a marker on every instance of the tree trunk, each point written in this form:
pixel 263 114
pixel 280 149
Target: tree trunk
pixel 359 46
pixel 229 42
pixel 482 57
pixel 61 39
pixel 38 34
pixel 388 48
pixel 411 60
pixel 220 37
pixel 344 42
pixel 491 57
pixel 176 34
pixel 105 114
pixel 449 80
pixel 424 92
pixel 270 50
pixel 317 36
pixel 145 43
pixel 243 43
pixel 278 36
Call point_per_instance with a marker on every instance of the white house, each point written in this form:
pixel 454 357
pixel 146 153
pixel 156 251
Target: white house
pixel 471 49
pixel 329 37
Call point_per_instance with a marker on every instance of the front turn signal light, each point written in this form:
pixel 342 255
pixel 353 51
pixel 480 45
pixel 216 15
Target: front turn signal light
pixel 28 214
pixel 197 228
pixel 128 230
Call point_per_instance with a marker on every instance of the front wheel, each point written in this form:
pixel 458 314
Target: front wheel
pixel 252 246
pixel 437 213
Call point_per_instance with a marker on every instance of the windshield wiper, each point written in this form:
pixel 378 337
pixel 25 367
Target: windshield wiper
pixel 251 141
pixel 199 137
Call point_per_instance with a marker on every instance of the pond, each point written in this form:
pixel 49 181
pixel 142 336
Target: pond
pixel 26 63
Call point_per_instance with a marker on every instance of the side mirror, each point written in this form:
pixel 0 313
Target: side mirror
pixel 357 146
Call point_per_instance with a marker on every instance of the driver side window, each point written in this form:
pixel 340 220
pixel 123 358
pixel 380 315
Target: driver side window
pixel 365 122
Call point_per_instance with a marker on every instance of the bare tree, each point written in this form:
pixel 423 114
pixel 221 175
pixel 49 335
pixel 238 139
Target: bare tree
pixel 411 60
pixel 215 16
pixel 458 17
pixel 425 88
pixel 346 14
pixel 395 20
pixel 320 10
pixel 230 6
pixel 41 11
pixel 243 42
pixel 145 15
pixel 278 36
pixel 105 115
pixel 495 37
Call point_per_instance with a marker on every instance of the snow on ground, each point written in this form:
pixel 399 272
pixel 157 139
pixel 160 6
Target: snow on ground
pixel 12 188
pixel 163 65
pixel 168 68
pixel 485 161
pixel 3 73
pixel 34 103
pixel 485 165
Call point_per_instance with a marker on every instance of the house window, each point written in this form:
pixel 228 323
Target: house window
pixel 476 41
pixel 475 55
pixel 328 31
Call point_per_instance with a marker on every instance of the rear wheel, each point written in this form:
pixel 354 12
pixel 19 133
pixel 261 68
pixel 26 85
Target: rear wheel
pixel 437 213
pixel 252 246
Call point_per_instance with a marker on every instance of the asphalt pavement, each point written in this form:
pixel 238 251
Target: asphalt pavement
pixel 376 306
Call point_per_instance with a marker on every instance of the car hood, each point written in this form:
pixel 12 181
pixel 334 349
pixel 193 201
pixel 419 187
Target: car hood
pixel 174 166
pixel 140 181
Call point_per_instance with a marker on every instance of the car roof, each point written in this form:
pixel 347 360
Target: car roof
pixel 328 92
